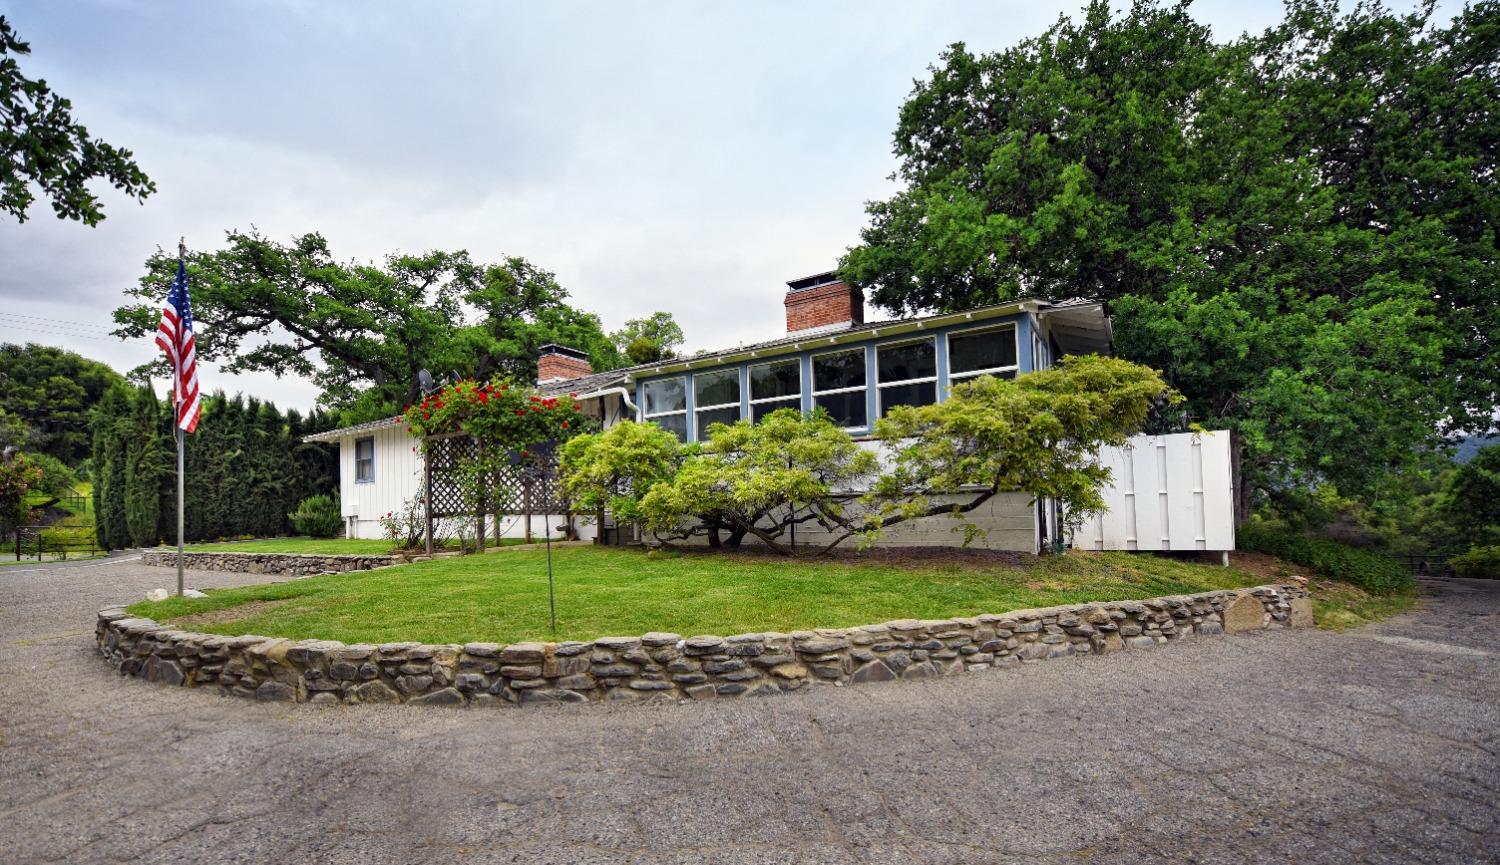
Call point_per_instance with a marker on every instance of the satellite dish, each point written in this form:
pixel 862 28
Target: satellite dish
pixel 424 381
pixel 454 377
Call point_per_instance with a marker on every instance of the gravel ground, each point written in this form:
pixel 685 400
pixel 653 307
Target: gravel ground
pixel 1376 746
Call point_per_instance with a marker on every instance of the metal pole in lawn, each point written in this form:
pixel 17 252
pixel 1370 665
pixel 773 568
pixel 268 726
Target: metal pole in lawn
pixel 547 530
pixel 180 461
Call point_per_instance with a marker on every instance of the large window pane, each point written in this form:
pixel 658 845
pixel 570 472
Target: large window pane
pixel 901 362
pixel 847 409
pixel 712 416
pixel 840 369
pixel 759 410
pixel 672 423
pixel 782 378
pixel 364 460
pixel 718 387
pixel 924 393
pixel 990 349
pixel 667 395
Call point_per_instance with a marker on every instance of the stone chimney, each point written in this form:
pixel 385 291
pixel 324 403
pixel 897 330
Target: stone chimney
pixel 822 303
pixel 558 362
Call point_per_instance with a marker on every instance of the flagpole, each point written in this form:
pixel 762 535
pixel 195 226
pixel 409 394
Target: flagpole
pixel 177 424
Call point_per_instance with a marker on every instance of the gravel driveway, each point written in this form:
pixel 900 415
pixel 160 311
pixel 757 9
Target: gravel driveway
pixel 1378 746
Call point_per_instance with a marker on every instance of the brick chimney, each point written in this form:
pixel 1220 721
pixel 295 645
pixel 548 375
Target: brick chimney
pixel 823 302
pixel 558 362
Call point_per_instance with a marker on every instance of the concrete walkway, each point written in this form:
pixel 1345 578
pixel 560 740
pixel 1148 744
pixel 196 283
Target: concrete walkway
pixel 1380 746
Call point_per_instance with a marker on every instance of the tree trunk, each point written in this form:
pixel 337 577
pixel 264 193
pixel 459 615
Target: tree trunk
pixel 1243 490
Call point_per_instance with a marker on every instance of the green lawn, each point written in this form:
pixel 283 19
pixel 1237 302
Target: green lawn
pixel 605 591
pixel 311 546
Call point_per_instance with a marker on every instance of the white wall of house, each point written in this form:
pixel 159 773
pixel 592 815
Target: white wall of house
pixel 1170 492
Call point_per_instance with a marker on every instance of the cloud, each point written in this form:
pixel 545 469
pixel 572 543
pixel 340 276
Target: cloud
pixel 683 157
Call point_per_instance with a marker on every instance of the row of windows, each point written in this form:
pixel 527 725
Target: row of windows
pixel 906 374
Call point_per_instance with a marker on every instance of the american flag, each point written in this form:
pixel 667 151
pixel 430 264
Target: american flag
pixel 175 336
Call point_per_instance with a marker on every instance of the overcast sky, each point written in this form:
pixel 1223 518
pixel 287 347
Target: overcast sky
pixel 682 157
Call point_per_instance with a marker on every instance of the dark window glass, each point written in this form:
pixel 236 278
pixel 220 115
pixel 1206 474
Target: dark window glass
pixel 718 415
pixel 716 388
pixel 668 395
pixel 914 360
pixel 847 409
pixel 782 378
pixel 364 460
pixel 968 352
pixel 841 369
pixel 761 409
pixel 924 393
pixel 673 423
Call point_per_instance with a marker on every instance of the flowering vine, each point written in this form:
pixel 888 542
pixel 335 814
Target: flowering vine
pixel 500 414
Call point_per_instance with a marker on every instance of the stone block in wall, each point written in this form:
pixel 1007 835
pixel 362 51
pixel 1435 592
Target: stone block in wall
pixel 1246 613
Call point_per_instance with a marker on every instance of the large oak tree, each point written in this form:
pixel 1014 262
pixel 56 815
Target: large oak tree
pixel 362 331
pixel 1297 227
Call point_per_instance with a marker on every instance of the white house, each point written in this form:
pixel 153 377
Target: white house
pixel 829 358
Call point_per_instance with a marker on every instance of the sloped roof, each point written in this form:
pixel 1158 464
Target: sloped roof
pixel 334 435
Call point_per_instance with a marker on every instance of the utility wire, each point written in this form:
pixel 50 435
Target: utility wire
pixel 72 334
pixel 56 322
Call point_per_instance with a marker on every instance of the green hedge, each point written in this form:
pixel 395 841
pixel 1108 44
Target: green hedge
pixel 1372 572
pixel 1480 562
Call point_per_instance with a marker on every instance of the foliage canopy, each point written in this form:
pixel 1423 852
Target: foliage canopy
pixel 649 340
pixel 47 395
pixel 42 145
pixel 1298 228
pixel 361 332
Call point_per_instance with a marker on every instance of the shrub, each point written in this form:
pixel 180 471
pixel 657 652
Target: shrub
pixel 406 529
pixel 57 479
pixel 1480 562
pixel 1373 572
pixel 318 517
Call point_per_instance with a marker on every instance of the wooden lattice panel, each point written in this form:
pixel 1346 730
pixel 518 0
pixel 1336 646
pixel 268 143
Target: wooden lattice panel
pixel 509 491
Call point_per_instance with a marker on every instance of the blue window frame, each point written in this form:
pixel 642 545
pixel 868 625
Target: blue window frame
pixel 666 405
pixel 908 374
pixel 716 399
pixel 775 385
pixel 840 385
pixel 983 351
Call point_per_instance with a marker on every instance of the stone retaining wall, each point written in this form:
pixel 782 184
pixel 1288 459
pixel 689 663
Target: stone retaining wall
pixel 662 666
pixel 290 564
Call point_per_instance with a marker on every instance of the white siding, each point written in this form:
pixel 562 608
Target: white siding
pixel 398 478
pixel 1172 492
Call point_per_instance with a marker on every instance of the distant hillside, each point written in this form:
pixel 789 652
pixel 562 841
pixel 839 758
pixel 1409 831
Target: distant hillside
pixel 47 394
pixel 1472 445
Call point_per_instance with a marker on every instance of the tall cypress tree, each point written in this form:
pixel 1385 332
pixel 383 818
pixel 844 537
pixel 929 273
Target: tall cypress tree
pixel 144 468
pixel 109 461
